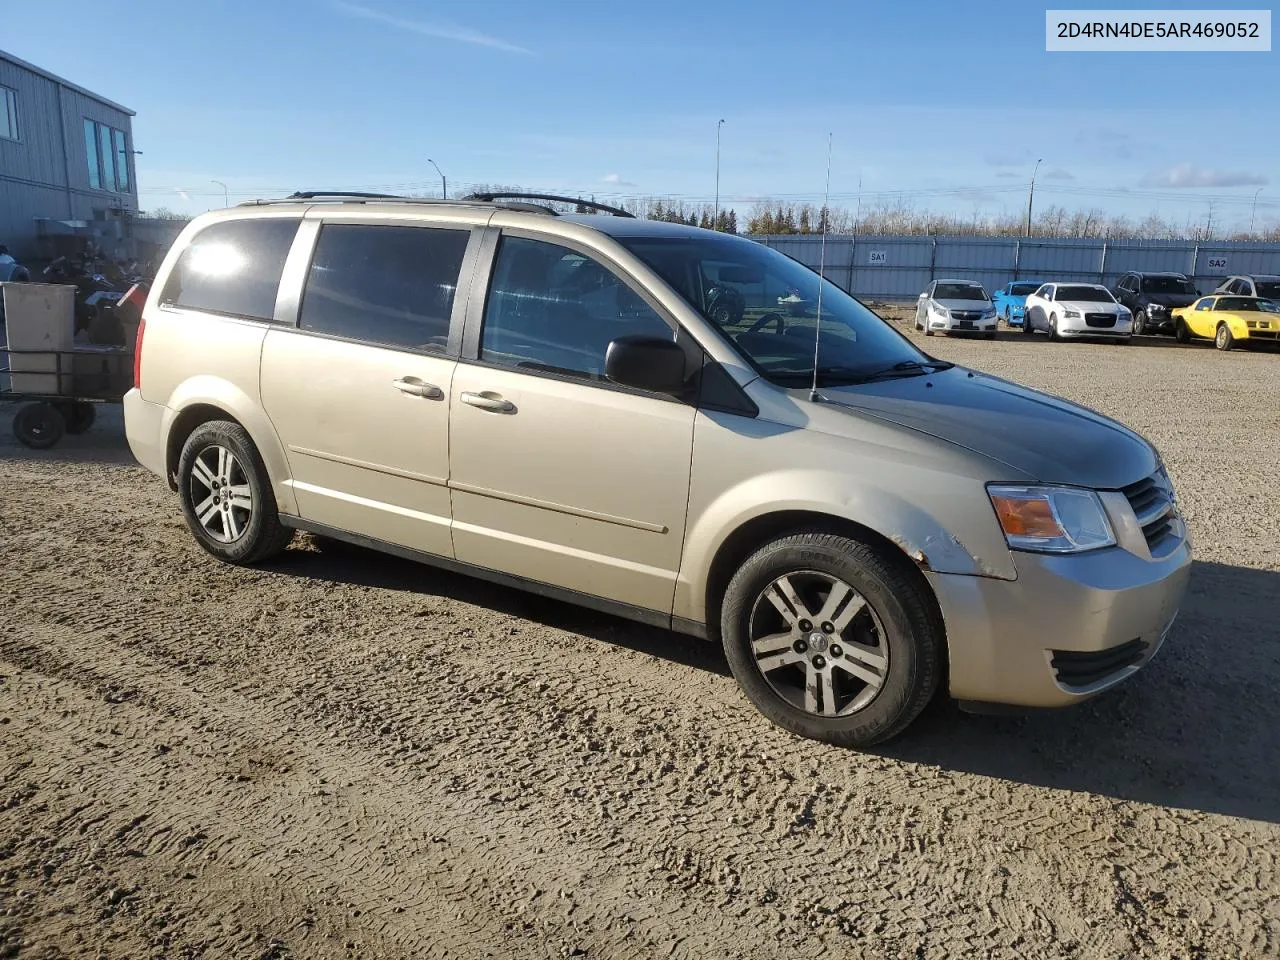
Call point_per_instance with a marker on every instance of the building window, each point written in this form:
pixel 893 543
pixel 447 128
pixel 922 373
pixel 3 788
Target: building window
pixel 108 156
pixel 91 150
pixel 8 114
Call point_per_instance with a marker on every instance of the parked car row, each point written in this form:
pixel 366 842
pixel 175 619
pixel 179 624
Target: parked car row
pixel 1241 309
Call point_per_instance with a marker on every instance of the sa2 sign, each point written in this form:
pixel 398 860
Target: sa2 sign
pixel 1217 263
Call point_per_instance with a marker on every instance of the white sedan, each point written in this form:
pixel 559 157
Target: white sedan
pixel 955 306
pixel 1065 310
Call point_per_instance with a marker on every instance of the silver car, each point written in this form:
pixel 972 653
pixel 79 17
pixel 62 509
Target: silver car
pixel 956 306
pixel 553 402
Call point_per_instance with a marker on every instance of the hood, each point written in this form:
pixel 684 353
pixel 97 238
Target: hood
pixel 964 304
pixel 1091 306
pixel 1042 437
pixel 1171 299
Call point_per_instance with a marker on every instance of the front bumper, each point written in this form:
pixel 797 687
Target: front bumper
pixel 939 325
pixel 1163 321
pixel 1079 328
pixel 1108 611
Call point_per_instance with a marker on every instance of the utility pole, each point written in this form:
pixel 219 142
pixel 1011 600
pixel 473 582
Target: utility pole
pixel 225 201
pixel 1208 224
pixel 1031 196
pixel 715 220
pixel 444 184
pixel 1254 213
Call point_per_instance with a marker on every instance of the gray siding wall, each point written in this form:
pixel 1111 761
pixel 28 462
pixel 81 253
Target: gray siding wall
pixel 909 263
pixel 45 173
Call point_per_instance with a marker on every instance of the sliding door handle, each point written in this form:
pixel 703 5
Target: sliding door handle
pixel 417 388
pixel 489 401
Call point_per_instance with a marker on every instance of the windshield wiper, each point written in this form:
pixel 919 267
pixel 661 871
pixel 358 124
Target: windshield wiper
pixel 906 368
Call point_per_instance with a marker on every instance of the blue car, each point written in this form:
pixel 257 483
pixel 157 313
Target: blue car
pixel 1011 300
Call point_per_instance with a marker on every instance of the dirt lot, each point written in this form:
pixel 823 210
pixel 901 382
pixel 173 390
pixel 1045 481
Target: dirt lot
pixel 347 755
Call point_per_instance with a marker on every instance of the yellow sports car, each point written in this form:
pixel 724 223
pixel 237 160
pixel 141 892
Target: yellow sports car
pixel 1228 320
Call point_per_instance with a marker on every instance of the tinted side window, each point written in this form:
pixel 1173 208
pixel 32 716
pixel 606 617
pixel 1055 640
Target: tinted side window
pixel 392 285
pixel 233 268
pixel 554 309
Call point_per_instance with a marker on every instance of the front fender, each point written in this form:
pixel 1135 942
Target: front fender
pixel 921 536
pixel 216 392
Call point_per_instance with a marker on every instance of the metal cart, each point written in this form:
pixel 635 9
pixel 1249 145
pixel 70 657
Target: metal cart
pixel 60 390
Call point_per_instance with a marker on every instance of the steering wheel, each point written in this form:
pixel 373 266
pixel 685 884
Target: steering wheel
pixel 779 323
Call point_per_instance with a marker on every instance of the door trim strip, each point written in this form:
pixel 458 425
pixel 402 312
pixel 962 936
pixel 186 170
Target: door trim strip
pixel 557 507
pixel 366 465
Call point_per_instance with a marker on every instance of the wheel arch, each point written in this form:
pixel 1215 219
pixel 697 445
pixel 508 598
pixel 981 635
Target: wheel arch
pixel 757 531
pixel 198 403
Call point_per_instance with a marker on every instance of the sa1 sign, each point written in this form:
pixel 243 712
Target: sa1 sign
pixel 878 258
pixel 1218 263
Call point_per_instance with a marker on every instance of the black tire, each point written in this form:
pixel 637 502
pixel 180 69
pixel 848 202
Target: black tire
pixel 1026 325
pixel 1140 323
pixel 898 605
pixel 1223 339
pixel 236 534
pixel 1053 328
pixel 1180 331
pixel 39 425
pixel 79 414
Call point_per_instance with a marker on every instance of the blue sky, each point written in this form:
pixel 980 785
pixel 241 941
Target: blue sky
pixel 948 103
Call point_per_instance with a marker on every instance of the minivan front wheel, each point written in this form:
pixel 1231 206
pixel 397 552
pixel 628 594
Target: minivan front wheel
pixel 832 640
pixel 226 495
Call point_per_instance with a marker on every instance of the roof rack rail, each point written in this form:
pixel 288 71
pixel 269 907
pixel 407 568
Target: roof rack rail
pixel 554 198
pixel 318 194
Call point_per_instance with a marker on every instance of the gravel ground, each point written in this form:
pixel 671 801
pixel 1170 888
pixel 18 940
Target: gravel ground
pixel 350 755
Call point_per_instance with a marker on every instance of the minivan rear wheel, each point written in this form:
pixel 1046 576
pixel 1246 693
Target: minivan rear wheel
pixel 832 640
pixel 226 495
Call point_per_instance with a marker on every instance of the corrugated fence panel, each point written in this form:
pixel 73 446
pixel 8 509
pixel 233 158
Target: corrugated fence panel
pixel 901 267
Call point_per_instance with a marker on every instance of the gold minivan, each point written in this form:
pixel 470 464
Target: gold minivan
pixel 682 427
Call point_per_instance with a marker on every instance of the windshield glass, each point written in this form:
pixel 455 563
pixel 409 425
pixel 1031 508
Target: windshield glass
pixel 1023 289
pixel 1085 294
pixel 1167 285
pixel 959 291
pixel 766 304
pixel 1267 288
pixel 1245 305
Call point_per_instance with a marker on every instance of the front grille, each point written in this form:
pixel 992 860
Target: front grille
pixel 1152 501
pixel 966 314
pixel 1075 668
pixel 1264 335
pixel 1100 319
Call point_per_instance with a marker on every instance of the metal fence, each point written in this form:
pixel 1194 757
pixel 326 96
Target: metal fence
pixel 898 268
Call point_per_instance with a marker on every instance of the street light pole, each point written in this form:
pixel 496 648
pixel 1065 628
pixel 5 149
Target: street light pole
pixel 444 184
pixel 715 220
pixel 225 201
pixel 1254 213
pixel 1031 196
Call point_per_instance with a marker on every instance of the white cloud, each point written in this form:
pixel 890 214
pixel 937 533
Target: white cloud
pixel 1057 173
pixel 615 180
pixel 1189 175
pixel 441 31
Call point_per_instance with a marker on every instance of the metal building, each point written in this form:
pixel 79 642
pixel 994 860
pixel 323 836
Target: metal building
pixel 66 165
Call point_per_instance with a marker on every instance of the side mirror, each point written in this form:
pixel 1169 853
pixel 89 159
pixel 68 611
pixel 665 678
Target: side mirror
pixel 646 363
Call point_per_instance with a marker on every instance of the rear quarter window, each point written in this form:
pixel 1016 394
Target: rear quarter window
pixel 232 268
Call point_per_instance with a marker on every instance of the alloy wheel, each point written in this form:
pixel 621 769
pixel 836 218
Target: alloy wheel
pixel 221 494
pixel 819 644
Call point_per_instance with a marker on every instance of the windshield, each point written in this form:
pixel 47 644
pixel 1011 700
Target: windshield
pixel 766 304
pixel 1246 305
pixel 1085 294
pixel 959 291
pixel 1023 289
pixel 1167 285
pixel 1268 288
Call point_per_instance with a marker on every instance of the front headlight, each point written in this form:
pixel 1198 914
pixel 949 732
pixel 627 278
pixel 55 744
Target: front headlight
pixel 1156 308
pixel 1072 314
pixel 942 311
pixel 989 313
pixel 1051 519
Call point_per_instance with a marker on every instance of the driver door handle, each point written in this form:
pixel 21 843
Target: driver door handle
pixel 489 401
pixel 418 388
